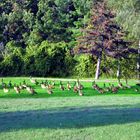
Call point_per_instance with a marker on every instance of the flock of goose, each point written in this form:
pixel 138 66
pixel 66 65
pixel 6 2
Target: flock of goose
pixel 77 87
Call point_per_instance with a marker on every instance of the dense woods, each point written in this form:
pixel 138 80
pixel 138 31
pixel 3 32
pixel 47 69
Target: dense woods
pixel 37 37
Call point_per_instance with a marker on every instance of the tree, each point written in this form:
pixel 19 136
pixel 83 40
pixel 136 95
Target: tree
pixel 103 36
pixel 128 16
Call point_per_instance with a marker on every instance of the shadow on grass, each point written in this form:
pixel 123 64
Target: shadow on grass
pixel 67 118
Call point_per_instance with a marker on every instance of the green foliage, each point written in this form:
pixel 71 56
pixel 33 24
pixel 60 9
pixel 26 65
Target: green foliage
pixel 38 36
pixel 48 59
pixel 12 62
pixel 85 66
pixel 128 15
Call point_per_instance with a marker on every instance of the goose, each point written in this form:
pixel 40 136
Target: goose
pixel 53 83
pixel 24 85
pixel 79 85
pixel 43 85
pixel 80 93
pixel 136 90
pixel 120 85
pixel 128 86
pixel 106 89
pixel 16 88
pixel 114 89
pixel 95 86
pixel 10 84
pixel 61 86
pixel 21 86
pixel 31 90
pixel 100 90
pixel 3 84
pixel 49 91
pixel 68 86
pixel 75 88
pixel 5 89
pixel 34 81
pixel 51 86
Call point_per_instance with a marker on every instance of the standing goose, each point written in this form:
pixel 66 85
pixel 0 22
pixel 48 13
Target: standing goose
pixel 10 84
pixel 2 83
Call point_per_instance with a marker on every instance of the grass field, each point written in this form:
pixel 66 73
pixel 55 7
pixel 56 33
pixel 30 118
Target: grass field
pixel 88 91
pixel 66 116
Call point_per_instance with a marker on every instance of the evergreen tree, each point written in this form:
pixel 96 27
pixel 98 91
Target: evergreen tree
pixel 103 36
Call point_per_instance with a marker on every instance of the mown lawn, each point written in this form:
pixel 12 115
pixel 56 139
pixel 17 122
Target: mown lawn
pixel 66 116
pixel 71 118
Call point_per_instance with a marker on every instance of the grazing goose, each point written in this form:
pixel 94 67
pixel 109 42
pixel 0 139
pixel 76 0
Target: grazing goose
pixel 120 85
pixel 49 91
pixel 93 83
pixel 53 84
pixel 80 93
pixel 50 86
pixel 75 88
pixel 68 86
pixel 5 90
pixel 100 90
pixel 79 85
pixel 43 85
pixel 24 85
pixel 31 90
pixel 16 88
pixel 128 86
pixel 61 86
pixel 136 90
pixel 95 86
pixel 21 86
pixel 106 89
pixel 114 89
pixel 34 81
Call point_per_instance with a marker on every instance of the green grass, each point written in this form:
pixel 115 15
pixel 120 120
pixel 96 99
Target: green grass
pixel 67 116
pixel 88 91
pixel 71 118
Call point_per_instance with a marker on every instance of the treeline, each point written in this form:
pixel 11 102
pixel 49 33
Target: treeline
pixel 36 37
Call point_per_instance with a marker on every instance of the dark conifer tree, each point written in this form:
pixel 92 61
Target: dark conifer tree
pixel 103 36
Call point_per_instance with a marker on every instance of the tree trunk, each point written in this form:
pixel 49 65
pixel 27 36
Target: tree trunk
pixel 126 80
pixel 98 67
pixel 138 63
pixel 119 71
